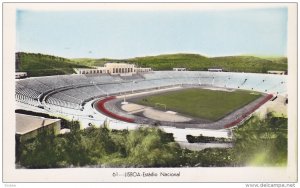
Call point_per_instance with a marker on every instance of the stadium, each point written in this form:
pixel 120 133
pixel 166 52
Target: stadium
pixel 180 102
pixel 184 87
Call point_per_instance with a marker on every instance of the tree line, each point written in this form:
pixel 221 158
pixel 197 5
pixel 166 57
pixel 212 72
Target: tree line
pixel 258 142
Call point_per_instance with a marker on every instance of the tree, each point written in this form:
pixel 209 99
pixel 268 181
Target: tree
pixel 42 152
pixel 261 141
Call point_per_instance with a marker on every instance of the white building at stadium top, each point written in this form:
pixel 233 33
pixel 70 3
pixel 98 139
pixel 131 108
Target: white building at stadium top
pixel 20 75
pixel 123 69
pixel 179 69
pixel 215 70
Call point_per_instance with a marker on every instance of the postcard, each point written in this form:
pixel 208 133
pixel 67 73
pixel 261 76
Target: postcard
pixel 150 92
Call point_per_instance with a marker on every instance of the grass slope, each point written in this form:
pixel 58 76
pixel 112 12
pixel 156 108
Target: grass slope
pixel 44 65
pixel 249 64
pixel 201 103
pixel 168 62
pixel 198 62
pixel 93 62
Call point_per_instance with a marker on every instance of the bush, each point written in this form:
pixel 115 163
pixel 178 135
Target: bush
pixel 261 142
pixel 206 139
pixel 144 147
pixel 256 142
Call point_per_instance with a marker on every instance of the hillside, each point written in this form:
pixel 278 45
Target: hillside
pixel 167 62
pixel 198 62
pixel 249 64
pixel 42 65
pixel 93 62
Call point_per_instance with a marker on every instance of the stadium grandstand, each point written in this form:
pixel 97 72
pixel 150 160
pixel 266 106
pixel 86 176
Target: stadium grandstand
pixel 72 91
pixel 97 98
pixel 79 88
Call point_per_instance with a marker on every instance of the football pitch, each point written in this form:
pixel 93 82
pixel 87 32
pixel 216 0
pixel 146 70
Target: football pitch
pixel 200 103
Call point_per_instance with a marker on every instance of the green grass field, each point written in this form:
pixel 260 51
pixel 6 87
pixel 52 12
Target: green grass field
pixel 201 103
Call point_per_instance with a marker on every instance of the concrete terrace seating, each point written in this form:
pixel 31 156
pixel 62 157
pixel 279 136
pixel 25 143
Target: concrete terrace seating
pixel 72 90
pixel 62 103
pixel 187 80
pixel 27 100
pixel 254 82
pixel 22 90
pixel 93 90
pixel 275 85
pixel 84 92
pixel 34 84
pixel 133 77
pixel 66 97
pixel 101 78
pixel 52 81
pixel 112 88
pixel 137 85
pixel 206 81
pixel 159 82
pixel 233 81
pixel 157 75
pixel 219 81
pixel 76 94
pixel 75 79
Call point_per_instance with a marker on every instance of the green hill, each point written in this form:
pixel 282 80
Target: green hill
pixel 93 62
pixel 44 65
pixel 249 64
pixel 198 62
pixel 168 62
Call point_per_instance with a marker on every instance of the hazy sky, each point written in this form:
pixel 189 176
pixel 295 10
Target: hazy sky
pixel 123 34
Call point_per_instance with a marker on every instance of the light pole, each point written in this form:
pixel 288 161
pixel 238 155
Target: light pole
pixel 132 86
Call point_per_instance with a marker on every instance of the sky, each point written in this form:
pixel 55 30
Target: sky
pixel 126 34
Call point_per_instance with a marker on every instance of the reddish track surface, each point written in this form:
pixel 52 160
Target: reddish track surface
pixel 101 106
pixel 267 98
